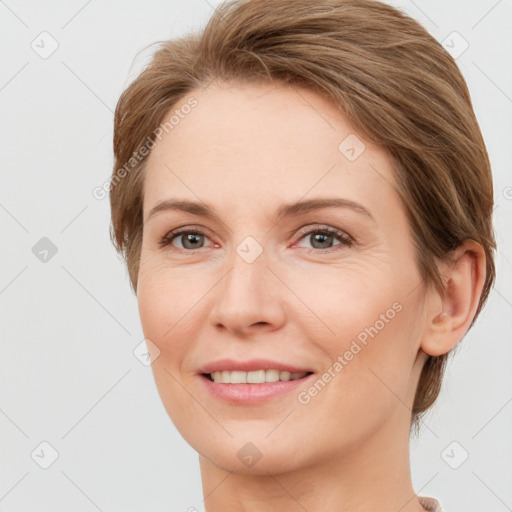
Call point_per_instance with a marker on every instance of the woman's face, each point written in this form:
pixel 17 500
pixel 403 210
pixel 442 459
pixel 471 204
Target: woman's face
pixel 256 281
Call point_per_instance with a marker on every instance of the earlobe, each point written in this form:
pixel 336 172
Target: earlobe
pixel 449 314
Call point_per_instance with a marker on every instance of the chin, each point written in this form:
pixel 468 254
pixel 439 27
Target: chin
pixel 250 451
pixel 251 460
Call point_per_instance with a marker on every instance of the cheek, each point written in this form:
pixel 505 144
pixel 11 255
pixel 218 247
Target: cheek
pixel 161 292
pixel 171 304
pixel 365 315
pixel 377 356
pixel 164 320
pixel 160 308
pixel 345 300
pixel 152 302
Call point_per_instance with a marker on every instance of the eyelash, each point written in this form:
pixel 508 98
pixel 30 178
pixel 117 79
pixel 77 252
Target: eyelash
pixel 345 240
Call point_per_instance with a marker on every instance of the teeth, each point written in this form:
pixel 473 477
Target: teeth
pixel 237 377
pixel 254 377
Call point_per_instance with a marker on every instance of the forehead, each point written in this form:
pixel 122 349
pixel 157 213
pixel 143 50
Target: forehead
pixel 245 144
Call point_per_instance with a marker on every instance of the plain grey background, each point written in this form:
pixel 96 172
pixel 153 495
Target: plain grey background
pixel 69 377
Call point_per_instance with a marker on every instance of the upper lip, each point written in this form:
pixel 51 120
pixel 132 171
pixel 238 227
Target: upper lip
pixel 250 365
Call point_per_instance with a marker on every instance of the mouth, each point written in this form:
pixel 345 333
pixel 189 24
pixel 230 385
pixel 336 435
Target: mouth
pixel 256 377
pixel 240 388
pixel 248 382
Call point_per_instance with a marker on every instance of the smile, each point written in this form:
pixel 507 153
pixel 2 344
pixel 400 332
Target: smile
pixel 240 393
pixel 254 377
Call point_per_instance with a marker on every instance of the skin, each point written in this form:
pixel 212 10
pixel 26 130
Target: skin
pixel 245 149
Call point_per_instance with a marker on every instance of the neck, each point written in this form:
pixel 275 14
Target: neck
pixel 375 475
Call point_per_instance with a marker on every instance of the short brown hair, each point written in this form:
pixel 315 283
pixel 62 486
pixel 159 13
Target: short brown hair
pixel 395 83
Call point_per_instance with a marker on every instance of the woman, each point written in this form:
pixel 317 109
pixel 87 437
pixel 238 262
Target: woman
pixel 303 198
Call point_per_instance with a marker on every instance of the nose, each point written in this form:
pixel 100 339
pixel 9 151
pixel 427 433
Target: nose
pixel 249 298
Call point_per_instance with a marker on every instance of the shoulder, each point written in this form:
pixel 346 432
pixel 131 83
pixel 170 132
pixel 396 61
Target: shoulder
pixel 430 504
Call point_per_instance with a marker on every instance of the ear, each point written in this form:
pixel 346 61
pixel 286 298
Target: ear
pixel 449 314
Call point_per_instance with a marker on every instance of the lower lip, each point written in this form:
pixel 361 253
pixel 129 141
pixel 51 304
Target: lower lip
pixel 252 393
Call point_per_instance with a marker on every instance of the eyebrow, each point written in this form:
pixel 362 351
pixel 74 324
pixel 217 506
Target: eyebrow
pixel 286 210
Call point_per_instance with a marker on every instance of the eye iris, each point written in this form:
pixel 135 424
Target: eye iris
pixel 322 238
pixel 190 237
